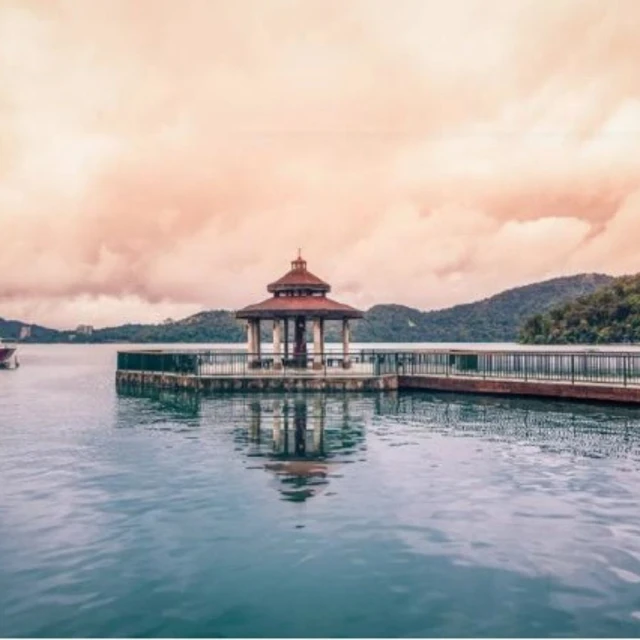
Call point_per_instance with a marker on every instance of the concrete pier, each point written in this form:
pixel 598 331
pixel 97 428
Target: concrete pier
pixel 612 377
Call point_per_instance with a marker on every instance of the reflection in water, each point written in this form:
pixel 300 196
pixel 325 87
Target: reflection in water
pixel 181 404
pixel 315 430
pixel 593 431
pixel 302 439
pixel 291 432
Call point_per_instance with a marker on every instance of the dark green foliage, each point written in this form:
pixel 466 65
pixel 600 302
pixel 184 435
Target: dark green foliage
pixel 610 315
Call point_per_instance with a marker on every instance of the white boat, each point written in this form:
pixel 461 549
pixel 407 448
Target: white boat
pixel 8 355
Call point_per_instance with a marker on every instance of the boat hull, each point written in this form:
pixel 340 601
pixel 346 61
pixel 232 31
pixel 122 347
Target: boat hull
pixel 6 353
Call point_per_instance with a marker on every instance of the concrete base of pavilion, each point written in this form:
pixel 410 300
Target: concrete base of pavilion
pixel 339 381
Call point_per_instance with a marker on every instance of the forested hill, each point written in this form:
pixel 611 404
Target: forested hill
pixel 610 315
pixel 207 326
pixel 495 319
pixel 10 330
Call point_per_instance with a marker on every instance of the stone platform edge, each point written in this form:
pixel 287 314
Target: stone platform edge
pixel 564 391
pixel 173 381
pixel 390 382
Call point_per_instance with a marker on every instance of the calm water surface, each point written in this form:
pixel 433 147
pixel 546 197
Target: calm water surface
pixel 360 515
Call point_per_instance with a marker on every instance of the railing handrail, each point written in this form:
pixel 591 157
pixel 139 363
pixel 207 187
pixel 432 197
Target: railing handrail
pixel 386 351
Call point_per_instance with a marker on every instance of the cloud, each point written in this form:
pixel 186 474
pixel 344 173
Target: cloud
pixel 177 154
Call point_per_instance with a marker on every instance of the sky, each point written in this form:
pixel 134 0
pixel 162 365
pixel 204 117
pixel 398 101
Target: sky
pixel 160 157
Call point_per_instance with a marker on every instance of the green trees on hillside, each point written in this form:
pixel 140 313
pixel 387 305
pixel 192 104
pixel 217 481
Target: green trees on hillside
pixel 609 315
pixel 495 319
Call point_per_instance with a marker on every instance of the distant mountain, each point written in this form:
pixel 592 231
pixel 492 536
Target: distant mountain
pixel 11 330
pixel 495 319
pixel 206 326
pixel 610 315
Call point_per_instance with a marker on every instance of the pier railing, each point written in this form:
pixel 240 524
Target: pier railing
pixel 617 368
pixel 242 363
pixel 596 367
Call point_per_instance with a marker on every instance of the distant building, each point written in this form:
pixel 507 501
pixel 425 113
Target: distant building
pixel 84 330
pixel 25 332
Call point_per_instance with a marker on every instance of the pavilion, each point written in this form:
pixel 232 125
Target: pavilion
pixel 297 296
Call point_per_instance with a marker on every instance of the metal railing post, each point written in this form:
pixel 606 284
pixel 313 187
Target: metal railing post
pixel 573 368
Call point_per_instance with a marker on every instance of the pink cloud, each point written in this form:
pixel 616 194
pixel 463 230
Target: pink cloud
pixel 159 157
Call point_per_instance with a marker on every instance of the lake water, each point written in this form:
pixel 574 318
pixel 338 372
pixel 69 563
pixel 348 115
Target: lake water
pixel 411 514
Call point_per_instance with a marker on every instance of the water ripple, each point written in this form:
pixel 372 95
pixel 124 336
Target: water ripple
pixel 393 515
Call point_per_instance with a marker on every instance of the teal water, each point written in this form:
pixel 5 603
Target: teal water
pixel 358 515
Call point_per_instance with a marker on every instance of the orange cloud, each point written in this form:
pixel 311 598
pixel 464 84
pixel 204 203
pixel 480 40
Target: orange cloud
pixel 158 157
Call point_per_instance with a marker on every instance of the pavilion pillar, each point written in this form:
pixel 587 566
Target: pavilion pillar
pixel 277 357
pixel 258 339
pixel 300 342
pixel 249 337
pixel 318 343
pixel 251 342
pixel 346 362
pixel 286 339
pixel 254 341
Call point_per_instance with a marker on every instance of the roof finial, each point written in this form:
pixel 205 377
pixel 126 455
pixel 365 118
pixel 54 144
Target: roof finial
pixel 299 264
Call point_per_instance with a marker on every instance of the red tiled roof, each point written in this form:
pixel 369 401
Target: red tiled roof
pixel 299 278
pixel 304 282
pixel 299 305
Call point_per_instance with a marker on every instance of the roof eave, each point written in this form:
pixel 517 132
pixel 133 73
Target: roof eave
pixel 278 286
pixel 326 314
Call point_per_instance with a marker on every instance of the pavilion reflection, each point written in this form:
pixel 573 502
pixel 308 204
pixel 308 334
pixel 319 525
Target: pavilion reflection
pixel 303 441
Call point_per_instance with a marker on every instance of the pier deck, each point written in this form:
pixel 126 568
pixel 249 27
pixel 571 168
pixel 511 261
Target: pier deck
pixel 580 375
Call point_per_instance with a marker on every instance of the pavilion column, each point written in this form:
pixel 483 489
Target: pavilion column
pixel 277 339
pixel 254 341
pixel 258 339
pixel 286 339
pixel 249 337
pixel 318 343
pixel 300 342
pixel 346 362
pixel 251 342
